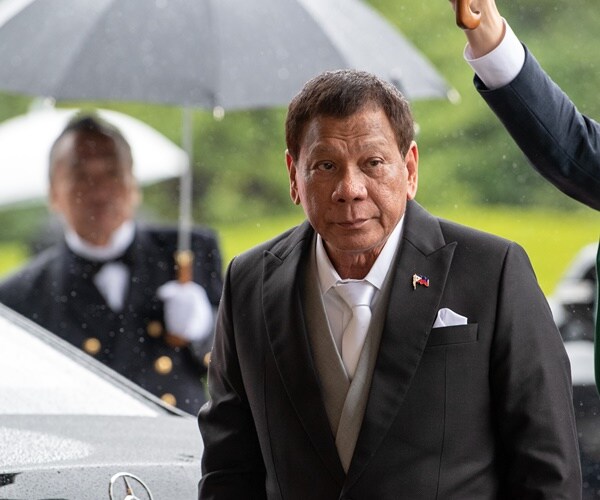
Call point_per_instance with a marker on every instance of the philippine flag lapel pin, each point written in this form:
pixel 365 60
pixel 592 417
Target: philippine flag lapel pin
pixel 419 280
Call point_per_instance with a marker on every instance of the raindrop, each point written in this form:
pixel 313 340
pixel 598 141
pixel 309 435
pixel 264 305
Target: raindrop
pixel 218 113
pixel 454 96
pixel 283 73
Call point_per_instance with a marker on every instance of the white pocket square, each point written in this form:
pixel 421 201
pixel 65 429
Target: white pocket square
pixel 447 317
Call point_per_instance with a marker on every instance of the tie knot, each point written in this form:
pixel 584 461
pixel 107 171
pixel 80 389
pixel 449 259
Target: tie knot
pixel 355 293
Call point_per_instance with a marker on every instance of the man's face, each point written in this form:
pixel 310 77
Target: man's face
pixel 353 182
pixel 92 187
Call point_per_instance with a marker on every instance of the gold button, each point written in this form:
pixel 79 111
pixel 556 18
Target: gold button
pixel 169 399
pixel 92 346
pixel 206 359
pixel 163 365
pixel 154 329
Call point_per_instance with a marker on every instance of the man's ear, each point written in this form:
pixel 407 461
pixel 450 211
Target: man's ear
pixel 411 161
pixel 53 200
pixel 137 195
pixel 291 167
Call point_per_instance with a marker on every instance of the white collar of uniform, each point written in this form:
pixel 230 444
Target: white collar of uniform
pixel 119 242
pixel 328 276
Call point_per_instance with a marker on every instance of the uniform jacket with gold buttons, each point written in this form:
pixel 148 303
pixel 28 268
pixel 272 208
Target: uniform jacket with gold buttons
pixel 56 290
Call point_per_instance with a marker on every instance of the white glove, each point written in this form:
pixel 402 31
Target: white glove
pixel 188 312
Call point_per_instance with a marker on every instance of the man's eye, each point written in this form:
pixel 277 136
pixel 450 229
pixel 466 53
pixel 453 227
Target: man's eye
pixel 325 166
pixel 375 162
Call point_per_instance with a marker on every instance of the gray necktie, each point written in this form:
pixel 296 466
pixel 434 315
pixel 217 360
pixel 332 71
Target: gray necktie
pixel 358 295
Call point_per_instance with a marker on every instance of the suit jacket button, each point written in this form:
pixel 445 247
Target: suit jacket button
pixel 92 346
pixel 163 365
pixel 168 398
pixel 154 329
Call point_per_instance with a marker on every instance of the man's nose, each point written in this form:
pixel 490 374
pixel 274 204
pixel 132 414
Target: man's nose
pixel 350 185
pixel 97 189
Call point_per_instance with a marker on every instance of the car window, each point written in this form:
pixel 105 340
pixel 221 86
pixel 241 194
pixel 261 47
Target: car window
pixel 37 379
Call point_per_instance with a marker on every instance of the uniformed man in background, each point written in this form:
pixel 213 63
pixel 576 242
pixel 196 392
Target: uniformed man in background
pixel 109 287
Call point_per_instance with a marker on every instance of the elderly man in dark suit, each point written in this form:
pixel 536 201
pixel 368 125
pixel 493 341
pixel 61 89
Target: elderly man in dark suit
pixel 446 378
pixel 109 286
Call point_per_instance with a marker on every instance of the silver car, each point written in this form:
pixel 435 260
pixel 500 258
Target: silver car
pixel 70 428
pixel 573 308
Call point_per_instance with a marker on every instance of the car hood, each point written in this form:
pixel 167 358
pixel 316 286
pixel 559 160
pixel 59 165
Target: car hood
pixel 75 457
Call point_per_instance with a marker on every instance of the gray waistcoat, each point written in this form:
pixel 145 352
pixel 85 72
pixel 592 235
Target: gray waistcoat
pixel 345 401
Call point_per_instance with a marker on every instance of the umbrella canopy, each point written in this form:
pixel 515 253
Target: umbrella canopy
pixel 232 54
pixel 25 143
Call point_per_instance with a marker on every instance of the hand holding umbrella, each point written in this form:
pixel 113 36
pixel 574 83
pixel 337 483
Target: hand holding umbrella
pixel 466 18
pixel 482 23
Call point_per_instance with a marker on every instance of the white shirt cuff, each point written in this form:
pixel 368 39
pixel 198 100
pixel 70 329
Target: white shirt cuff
pixel 500 66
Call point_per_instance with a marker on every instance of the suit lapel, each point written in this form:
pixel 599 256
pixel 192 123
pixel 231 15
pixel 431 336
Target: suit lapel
pixel 283 283
pixel 410 315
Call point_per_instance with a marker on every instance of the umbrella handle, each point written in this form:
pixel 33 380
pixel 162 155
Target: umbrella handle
pixel 184 265
pixel 465 17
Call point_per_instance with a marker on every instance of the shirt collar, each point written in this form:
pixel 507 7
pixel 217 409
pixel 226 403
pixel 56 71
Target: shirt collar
pixel 120 240
pixel 502 65
pixel 328 276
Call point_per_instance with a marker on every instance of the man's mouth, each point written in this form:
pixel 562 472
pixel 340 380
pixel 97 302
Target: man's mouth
pixel 353 223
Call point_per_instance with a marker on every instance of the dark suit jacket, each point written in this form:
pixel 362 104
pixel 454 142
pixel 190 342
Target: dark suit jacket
pixel 480 411
pixel 560 142
pixel 53 291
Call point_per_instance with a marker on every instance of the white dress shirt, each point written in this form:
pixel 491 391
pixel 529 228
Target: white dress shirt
pixel 337 311
pixel 500 66
pixel 112 279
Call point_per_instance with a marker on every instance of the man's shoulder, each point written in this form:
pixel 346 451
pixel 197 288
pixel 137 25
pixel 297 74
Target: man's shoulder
pixel 454 230
pixel 37 266
pixel 281 245
pixel 483 248
pixel 425 226
pixel 31 278
pixel 278 249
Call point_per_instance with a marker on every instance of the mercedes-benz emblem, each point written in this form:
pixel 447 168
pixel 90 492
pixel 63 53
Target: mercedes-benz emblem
pixel 123 483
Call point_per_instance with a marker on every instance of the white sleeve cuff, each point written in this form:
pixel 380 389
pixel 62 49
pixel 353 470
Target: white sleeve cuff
pixel 500 66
